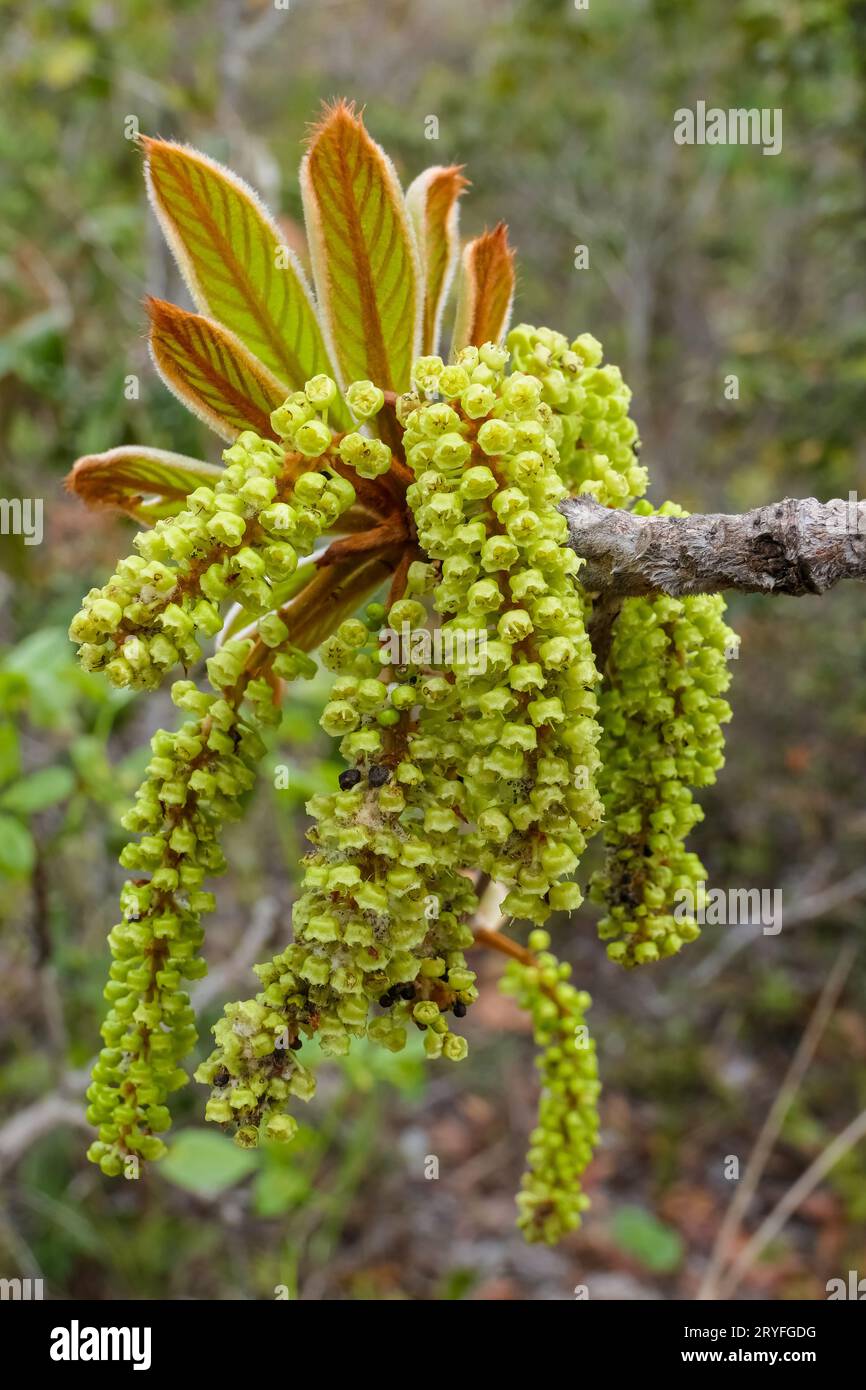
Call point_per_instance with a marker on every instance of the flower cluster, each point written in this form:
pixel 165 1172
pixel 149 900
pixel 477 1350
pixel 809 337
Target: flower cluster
pixel 661 714
pixel 593 431
pixel 194 784
pixel 476 735
pixel 223 545
pixel 551 1202
pixel 485 505
pixel 236 541
pixel 380 927
pixel 302 422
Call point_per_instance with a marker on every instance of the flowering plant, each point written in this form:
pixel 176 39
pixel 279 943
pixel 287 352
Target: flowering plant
pixel 360 460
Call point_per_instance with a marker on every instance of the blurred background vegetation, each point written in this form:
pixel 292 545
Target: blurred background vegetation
pixel 703 262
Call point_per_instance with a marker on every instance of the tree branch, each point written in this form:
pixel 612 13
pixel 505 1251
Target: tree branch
pixel 790 547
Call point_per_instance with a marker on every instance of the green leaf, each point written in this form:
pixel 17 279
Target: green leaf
pixel 17 849
pixel 43 659
pixel 458 1283
pixel 279 1188
pixel 146 483
pixel 9 752
pixel 206 1163
pixel 407 1071
pixel 45 650
pixel 69 1222
pixel 639 1233
pixel 38 791
pixel 365 260
pixel 54 681
pixel 19 343
pixel 233 257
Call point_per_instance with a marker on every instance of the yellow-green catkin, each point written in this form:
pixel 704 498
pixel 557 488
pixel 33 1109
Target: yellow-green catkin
pixel 194 785
pixel 551 1201
pixel 596 437
pixel 234 541
pixel 662 709
pixel 485 504
pixel 380 926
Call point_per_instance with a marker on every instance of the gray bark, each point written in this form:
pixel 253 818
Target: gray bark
pixel 790 547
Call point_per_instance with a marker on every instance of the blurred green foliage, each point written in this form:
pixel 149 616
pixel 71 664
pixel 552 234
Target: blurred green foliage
pixel 647 1239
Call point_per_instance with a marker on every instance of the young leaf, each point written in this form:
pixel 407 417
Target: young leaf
pixel 145 483
pixel 210 370
pixel 486 290
pixel 234 259
pixel 432 204
pixel 365 261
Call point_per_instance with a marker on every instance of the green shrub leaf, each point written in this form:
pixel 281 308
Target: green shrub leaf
pixel 38 791
pixel 17 849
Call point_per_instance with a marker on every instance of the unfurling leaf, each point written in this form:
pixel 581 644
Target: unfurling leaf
pixel 365 261
pixel 486 290
pixel 210 370
pixel 233 257
pixel 145 483
pixel 432 204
